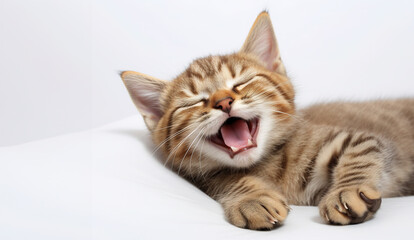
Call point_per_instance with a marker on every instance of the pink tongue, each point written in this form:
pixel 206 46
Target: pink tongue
pixel 236 134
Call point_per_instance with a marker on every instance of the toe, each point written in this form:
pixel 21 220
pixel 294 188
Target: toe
pixel 373 204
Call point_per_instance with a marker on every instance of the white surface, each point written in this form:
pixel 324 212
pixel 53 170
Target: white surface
pixel 59 59
pixel 105 184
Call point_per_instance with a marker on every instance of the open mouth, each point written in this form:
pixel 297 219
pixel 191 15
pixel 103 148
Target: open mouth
pixel 236 135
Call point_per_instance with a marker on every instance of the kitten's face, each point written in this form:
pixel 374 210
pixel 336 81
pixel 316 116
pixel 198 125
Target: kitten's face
pixel 231 108
pixel 223 110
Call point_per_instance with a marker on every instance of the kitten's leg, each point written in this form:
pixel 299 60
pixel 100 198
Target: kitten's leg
pixel 356 180
pixel 249 202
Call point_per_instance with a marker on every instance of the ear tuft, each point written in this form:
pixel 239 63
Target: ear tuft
pixel 145 92
pixel 261 43
pixel 120 72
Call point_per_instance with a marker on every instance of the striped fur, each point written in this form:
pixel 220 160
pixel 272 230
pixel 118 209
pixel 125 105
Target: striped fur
pixel 341 156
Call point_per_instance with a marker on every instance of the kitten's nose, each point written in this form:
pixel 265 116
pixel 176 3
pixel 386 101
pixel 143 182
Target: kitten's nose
pixel 224 104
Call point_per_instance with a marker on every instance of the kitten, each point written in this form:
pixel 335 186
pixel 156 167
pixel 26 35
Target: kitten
pixel 229 125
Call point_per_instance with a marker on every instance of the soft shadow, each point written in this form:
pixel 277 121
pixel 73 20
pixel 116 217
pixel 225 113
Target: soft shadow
pixel 318 219
pixel 139 134
pixel 143 136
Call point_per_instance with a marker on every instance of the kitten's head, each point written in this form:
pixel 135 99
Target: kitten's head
pixel 223 110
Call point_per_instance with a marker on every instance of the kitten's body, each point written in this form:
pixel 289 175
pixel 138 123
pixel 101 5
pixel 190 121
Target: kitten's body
pixel 229 125
pixel 389 121
pixel 299 168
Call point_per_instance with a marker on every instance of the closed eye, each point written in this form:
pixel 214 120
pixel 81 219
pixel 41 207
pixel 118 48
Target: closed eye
pixel 193 103
pixel 245 82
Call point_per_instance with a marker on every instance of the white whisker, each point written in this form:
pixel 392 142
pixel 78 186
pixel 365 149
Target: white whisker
pixel 182 159
pixel 290 115
pixel 195 147
pixel 172 136
pixel 199 160
pixel 174 150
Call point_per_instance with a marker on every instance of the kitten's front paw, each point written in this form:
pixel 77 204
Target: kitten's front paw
pixel 260 210
pixel 350 205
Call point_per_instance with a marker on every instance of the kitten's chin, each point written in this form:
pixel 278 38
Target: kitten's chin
pixel 246 158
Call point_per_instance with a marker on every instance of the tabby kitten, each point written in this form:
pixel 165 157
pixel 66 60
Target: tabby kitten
pixel 229 125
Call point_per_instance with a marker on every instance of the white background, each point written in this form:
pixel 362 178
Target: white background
pixel 59 59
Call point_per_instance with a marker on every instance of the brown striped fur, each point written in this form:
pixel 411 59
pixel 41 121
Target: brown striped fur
pixel 341 156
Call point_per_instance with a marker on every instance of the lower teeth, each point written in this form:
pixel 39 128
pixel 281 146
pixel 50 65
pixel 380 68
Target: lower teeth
pixel 234 149
pixel 249 143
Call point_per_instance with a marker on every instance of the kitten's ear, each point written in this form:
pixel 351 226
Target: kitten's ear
pixel 261 42
pixel 145 92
